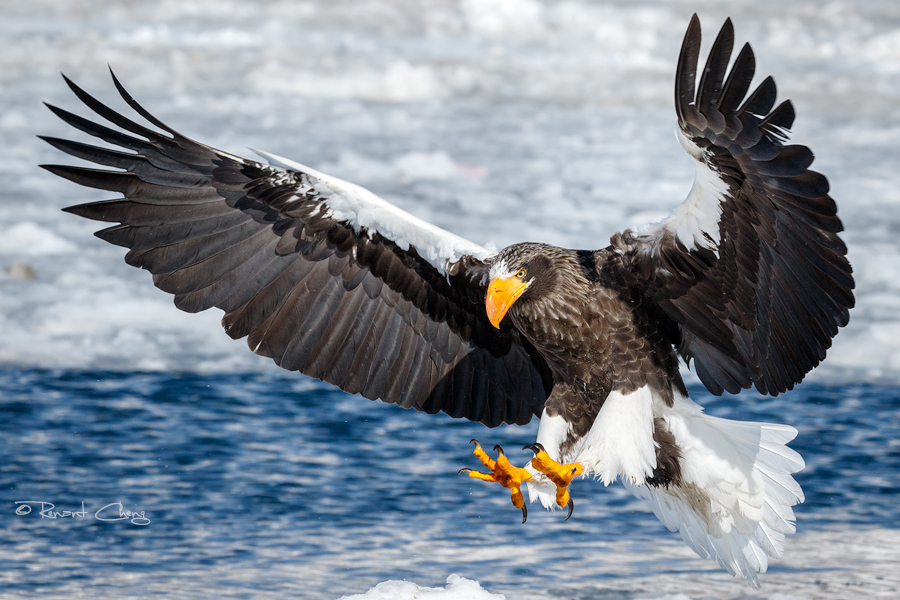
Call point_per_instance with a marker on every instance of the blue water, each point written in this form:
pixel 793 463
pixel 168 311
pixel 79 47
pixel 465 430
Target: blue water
pixel 261 483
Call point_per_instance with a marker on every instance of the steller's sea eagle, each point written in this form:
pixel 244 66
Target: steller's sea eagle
pixel 747 279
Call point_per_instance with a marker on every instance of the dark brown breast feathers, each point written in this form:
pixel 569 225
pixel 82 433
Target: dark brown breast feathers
pixel 594 338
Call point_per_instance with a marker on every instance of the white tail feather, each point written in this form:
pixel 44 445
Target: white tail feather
pixel 734 500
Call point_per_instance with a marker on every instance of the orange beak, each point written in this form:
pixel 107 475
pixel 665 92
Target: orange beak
pixel 501 294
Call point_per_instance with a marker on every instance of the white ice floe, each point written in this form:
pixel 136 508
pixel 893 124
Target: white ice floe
pixel 458 588
pixel 28 238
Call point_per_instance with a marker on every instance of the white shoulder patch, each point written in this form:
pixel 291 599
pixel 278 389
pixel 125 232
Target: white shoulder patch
pixel 695 222
pixel 359 207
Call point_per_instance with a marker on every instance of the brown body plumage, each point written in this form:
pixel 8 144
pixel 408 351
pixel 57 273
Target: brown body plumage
pixel 593 339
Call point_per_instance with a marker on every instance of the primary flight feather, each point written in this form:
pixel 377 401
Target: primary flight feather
pixel 747 280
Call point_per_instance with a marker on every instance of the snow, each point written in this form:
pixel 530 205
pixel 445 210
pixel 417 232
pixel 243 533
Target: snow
pixel 458 588
pixel 28 238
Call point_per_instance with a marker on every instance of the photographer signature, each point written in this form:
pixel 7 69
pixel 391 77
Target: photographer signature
pixel 113 511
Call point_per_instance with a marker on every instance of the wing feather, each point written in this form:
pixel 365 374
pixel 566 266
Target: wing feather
pixel 235 288
pixel 319 274
pixel 749 269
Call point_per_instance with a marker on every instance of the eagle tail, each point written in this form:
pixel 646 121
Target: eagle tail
pixel 733 500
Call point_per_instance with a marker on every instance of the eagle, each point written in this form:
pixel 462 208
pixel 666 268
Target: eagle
pixel 747 280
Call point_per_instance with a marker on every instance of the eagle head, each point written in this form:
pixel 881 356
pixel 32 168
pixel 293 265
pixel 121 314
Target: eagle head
pixel 521 273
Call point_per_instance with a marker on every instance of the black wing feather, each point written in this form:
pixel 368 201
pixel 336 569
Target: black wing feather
pixel 760 305
pixel 347 306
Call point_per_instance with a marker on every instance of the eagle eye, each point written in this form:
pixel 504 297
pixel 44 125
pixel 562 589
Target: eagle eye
pixel 521 273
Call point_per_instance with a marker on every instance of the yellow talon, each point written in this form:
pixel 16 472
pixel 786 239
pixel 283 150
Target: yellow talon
pixel 502 472
pixel 560 475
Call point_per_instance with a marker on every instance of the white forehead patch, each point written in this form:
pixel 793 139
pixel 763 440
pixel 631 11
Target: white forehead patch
pixel 501 269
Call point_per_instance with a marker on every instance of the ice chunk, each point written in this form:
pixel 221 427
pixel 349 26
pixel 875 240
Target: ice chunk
pixel 458 588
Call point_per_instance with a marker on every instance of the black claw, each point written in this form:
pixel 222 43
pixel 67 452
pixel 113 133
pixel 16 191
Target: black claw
pixel 524 513
pixel 464 470
pixel 474 441
pixel 571 508
pixel 499 450
pixel 535 447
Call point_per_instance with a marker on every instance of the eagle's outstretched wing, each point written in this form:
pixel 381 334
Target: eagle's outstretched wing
pixel 319 274
pixel 748 274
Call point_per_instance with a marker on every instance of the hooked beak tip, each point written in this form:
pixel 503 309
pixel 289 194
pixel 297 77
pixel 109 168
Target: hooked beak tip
pixel 501 295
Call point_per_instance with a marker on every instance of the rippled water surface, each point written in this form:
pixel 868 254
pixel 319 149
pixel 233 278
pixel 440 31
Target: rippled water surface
pixel 262 484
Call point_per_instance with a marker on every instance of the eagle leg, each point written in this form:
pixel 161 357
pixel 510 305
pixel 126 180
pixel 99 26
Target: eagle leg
pixel 560 475
pixel 502 472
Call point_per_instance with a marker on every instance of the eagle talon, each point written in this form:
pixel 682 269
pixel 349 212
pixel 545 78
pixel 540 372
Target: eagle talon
pixel 561 475
pixel 571 506
pixel 502 472
pixel 535 447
